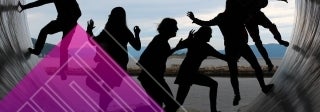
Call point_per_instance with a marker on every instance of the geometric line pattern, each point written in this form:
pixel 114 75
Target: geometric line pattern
pixel 87 79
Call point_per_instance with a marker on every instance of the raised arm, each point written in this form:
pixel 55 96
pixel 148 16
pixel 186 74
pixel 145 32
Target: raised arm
pixel 90 27
pixel 212 22
pixel 34 4
pixel 135 41
pixel 184 43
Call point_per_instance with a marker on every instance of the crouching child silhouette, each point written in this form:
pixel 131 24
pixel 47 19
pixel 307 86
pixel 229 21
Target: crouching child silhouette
pixel 198 50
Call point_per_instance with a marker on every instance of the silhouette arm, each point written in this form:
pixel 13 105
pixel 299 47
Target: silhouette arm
pixel 180 45
pixel 135 41
pixel 211 22
pixel 35 4
pixel 217 54
pixel 184 43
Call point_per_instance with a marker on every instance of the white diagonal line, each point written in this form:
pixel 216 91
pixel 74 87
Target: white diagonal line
pixel 26 104
pixel 84 96
pixel 117 73
pixel 85 64
pixel 43 89
pixel 148 73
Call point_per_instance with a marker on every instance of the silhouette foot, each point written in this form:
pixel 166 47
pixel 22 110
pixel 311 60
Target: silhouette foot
pixel 33 51
pixel 270 67
pixel 236 100
pixel 27 54
pixel 267 88
pixel 284 43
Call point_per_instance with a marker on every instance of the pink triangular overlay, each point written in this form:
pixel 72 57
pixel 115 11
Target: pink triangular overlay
pixel 87 80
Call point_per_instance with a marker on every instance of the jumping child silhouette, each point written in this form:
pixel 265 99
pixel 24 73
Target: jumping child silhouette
pixel 68 15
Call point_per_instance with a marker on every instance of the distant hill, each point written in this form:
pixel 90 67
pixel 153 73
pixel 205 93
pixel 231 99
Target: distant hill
pixel 274 51
pixel 137 54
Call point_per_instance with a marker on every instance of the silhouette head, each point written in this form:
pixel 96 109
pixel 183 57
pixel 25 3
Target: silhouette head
pixel 258 5
pixel 117 18
pixel 262 3
pixel 168 26
pixel 203 34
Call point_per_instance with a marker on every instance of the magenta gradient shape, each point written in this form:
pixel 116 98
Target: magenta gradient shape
pixel 83 78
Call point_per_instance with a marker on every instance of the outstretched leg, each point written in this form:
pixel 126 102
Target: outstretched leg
pixel 64 47
pixel 265 55
pixel 51 28
pixel 160 94
pixel 253 30
pixel 274 30
pixel 250 57
pixel 152 89
pixel 212 84
pixel 182 93
pixel 167 96
pixel 233 56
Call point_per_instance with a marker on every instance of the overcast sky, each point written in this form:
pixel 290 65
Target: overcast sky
pixel 148 13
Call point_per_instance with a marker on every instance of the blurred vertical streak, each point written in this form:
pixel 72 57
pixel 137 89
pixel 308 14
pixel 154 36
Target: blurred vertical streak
pixel 15 62
pixel 297 81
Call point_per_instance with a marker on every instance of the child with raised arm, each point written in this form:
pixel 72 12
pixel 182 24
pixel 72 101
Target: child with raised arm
pixel 116 35
pixel 198 50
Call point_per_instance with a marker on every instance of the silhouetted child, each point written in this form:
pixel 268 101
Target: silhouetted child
pixel 68 15
pixel 153 63
pixel 258 18
pixel 198 50
pixel 116 35
pixel 113 40
pixel 235 41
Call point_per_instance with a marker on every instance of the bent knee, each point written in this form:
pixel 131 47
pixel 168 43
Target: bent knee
pixel 47 31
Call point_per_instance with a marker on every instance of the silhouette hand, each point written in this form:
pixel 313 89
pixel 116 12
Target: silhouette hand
pixel 90 25
pixel 20 6
pixel 191 34
pixel 136 30
pixel 190 15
